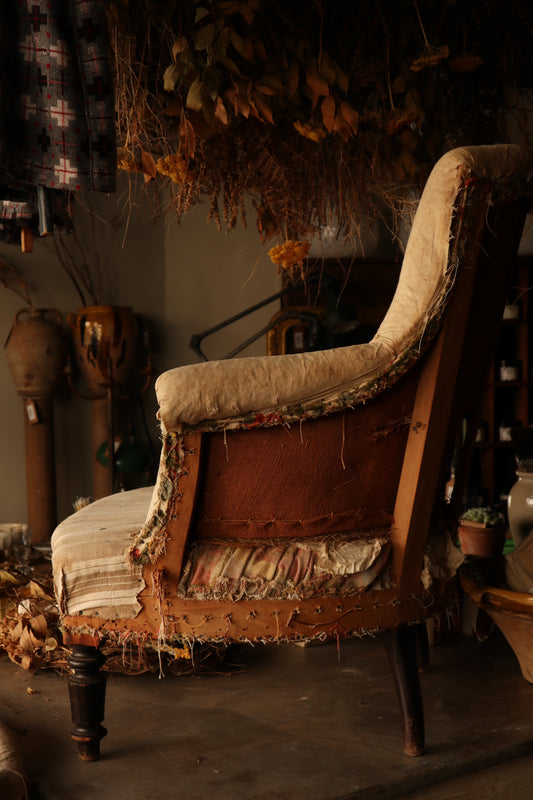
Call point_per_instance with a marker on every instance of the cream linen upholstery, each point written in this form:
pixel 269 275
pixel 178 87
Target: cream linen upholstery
pixel 89 548
pixel 227 390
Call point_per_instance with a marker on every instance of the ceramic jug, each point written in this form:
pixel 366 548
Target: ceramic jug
pixel 520 507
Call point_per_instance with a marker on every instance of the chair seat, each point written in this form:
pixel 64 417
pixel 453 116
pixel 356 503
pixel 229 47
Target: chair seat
pixel 91 572
pixel 94 576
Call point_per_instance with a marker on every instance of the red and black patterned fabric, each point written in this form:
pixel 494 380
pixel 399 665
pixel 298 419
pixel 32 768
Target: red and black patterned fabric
pixel 56 103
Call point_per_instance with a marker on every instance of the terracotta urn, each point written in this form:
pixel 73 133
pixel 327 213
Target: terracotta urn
pixel 36 351
pixel 107 343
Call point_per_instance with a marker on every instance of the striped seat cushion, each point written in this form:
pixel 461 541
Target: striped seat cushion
pixel 91 572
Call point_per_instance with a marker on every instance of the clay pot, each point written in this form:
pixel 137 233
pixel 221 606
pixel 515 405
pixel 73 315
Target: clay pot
pixel 36 351
pixel 477 539
pixel 107 343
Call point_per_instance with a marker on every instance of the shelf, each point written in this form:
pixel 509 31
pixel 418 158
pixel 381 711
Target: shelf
pixel 493 468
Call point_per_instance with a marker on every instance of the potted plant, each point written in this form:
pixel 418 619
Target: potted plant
pixel 482 531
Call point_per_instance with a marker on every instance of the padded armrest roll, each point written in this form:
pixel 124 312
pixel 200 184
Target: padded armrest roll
pixel 230 389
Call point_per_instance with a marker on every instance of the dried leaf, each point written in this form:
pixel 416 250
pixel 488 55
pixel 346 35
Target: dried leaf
pixel 16 633
pixel 223 58
pixel 293 79
pixel 328 112
pixel 36 640
pixel 253 108
pixel 231 92
pixel 242 106
pixel 220 111
pixel 204 37
pixel 316 81
pixel 26 644
pixel 341 127
pixel 350 115
pixel 187 137
pixel 36 590
pixel 25 662
pixel 148 165
pixel 210 81
pixel 195 95
pixel 179 46
pixel 171 77
pixel 201 13
pixel 248 9
pixel 263 106
pixel 39 625
pixel 242 45
pixel 265 89
pixel 429 57
pixel 270 83
pixel 342 78
pixel 186 62
pixel 9 578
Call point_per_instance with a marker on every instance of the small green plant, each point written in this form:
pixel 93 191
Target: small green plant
pixel 484 515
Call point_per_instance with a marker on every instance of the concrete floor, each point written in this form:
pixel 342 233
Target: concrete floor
pixel 294 724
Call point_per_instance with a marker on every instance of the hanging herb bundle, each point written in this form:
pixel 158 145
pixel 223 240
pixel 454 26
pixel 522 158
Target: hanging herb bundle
pixel 322 112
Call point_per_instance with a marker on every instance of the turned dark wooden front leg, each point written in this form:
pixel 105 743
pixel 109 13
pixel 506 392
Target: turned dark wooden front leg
pixel 87 699
pixel 401 646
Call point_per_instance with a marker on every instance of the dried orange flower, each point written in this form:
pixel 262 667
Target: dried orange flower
pixel 315 134
pixel 176 167
pixel 289 255
pixel 126 162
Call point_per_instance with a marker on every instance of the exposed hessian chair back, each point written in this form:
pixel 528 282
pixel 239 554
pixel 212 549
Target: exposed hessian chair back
pixel 301 496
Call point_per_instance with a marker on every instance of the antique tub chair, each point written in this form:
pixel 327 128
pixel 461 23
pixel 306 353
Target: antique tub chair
pixel 300 496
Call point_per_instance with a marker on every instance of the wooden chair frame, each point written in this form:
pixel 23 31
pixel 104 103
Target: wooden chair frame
pixel 452 374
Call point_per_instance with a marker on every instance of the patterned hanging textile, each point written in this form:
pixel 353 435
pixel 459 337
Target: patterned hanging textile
pixel 56 110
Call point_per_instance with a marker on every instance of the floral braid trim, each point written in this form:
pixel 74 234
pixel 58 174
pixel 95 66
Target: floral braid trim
pixel 151 540
pixel 325 406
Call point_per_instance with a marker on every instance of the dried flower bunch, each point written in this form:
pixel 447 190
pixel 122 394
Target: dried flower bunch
pixel 320 111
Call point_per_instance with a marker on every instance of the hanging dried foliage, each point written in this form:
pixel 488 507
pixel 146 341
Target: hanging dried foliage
pixel 320 111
